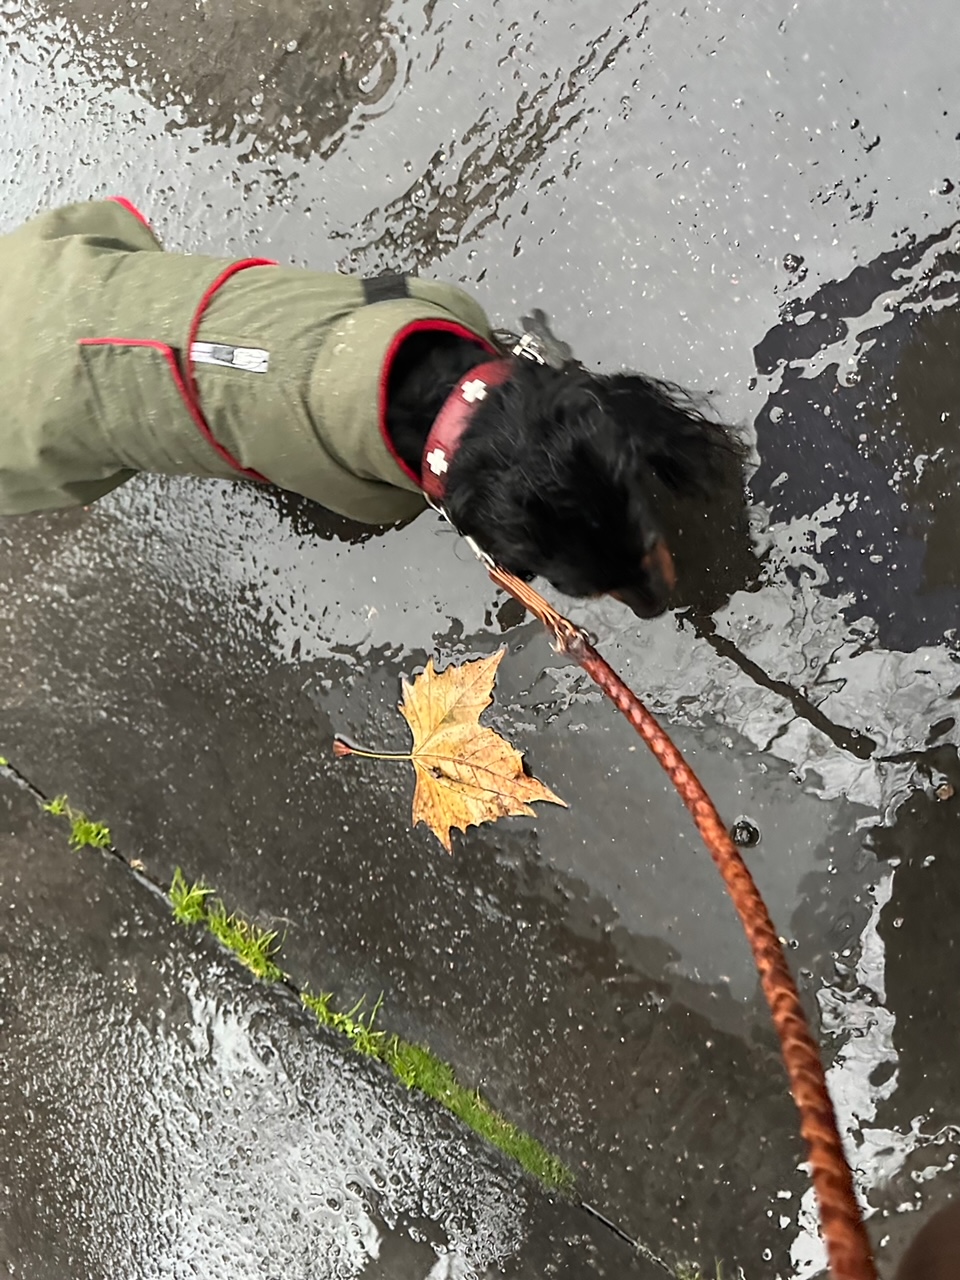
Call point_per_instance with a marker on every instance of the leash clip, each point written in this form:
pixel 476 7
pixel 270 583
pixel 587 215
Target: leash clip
pixel 530 348
pixel 483 556
pixel 539 343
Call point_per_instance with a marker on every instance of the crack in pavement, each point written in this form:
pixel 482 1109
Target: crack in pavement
pixel 10 770
pixel 853 741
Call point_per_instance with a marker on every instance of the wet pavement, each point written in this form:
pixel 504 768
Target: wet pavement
pixel 163 1114
pixel 754 205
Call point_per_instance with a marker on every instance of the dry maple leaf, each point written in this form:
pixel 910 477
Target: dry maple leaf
pixel 466 773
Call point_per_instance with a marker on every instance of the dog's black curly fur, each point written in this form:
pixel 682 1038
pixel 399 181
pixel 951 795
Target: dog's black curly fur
pixel 563 474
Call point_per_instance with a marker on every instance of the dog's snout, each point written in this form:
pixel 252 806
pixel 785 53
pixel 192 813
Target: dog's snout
pixel 641 602
pixel 649 597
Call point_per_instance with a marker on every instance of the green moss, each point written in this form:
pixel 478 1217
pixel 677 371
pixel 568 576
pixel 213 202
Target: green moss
pixel 253 946
pixel 693 1271
pixel 417 1067
pixel 352 1024
pixel 83 832
pixel 420 1069
pixel 423 1070
pixel 189 901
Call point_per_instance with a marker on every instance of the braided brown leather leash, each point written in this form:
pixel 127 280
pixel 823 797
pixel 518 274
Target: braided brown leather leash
pixel 841 1222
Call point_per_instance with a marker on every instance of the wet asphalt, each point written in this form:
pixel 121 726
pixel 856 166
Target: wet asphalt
pixel 763 205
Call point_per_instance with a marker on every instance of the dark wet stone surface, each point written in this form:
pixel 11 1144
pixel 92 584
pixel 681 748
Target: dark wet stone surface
pixel 752 206
pixel 261 75
pixel 163 1113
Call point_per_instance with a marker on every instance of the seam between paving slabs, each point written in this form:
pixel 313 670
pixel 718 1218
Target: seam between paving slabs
pixel 258 948
pixel 417 1067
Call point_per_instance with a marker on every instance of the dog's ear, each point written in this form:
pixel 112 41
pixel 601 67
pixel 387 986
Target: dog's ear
pixel 667 432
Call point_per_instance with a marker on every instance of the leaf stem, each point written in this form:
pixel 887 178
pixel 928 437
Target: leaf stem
pixel 341 748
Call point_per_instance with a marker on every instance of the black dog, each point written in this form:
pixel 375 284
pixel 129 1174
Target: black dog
pixel 563 474
pixel 366 396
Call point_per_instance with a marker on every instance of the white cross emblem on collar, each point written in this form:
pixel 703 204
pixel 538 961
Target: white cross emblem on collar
pixel 474 390
pixel 437 461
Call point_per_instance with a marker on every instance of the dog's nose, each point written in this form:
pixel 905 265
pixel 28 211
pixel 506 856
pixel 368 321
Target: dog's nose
pixel 648 598
pixel 642 602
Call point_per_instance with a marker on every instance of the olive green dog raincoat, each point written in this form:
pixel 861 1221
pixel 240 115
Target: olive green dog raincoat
pixel 119 358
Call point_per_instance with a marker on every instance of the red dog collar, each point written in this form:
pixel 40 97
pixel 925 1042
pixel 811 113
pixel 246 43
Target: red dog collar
pixel 453 419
